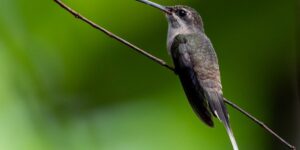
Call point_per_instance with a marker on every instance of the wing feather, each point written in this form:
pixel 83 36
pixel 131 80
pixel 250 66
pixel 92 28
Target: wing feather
pixel 189 81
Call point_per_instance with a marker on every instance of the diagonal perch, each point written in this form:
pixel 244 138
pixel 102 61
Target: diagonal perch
pixel 164 64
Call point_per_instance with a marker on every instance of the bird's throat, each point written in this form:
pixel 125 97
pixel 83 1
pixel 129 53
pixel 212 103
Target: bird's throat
pixel 173 32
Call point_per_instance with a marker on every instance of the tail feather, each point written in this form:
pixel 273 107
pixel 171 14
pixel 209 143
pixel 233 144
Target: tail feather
pixel 216 102
pixel 231 136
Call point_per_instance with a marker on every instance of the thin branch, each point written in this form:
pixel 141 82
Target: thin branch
pixel 163 63
pixel 260 123
pixel 94 25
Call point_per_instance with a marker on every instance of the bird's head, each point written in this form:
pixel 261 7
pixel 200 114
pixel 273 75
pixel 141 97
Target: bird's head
pixel 180 17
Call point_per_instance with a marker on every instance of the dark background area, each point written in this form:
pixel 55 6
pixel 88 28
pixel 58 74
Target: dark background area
pixel 65 85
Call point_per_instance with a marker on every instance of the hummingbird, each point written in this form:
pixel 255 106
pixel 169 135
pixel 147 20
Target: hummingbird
pixel 196 64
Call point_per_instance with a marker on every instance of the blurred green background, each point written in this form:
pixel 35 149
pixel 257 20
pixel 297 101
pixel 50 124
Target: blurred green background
pixel 66 86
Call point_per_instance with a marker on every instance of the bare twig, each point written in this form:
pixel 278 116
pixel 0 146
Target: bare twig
pixel 163 63
pixel 260 123
pixel 94 25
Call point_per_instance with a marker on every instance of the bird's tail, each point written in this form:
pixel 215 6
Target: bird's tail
pixel 231 136
pixel 216 103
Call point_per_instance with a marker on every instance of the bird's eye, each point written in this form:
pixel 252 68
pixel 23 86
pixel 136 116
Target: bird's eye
pixel 182 13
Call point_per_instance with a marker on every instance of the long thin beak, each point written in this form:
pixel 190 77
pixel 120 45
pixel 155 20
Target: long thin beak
pixel 155 5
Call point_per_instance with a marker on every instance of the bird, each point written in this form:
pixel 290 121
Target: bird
pixel 196 64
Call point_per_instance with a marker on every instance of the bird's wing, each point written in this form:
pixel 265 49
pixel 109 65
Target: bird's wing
pixel 188 77
pixel 197 66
